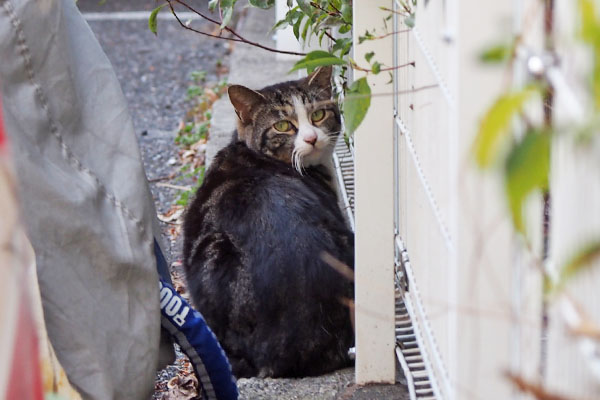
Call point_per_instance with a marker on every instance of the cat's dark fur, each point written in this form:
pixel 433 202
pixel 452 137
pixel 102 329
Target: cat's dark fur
pixel 255 232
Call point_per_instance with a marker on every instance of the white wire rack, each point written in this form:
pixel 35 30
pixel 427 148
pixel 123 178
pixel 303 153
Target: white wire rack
pixel 419 352
pixel 408 337
pixel 427 344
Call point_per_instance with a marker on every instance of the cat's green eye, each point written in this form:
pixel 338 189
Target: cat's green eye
pixel 283 126
pixel 317 116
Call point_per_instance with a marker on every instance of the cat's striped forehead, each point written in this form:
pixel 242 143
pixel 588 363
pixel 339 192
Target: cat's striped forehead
pixel 291 107
pixel 290 100
pixel 284 96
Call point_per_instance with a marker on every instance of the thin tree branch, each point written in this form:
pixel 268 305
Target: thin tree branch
pixel 391 33
pixel 162 178
pixel 228 29
pixel 329 36
pixel 404 13
pixel 237 38
pixel 333 14
pixel 197 31
pixel 358 68
pixel 335 8
pixel 397 93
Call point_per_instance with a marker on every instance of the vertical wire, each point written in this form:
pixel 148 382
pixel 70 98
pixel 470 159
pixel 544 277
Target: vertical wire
pixel 549 46
pixel 395 133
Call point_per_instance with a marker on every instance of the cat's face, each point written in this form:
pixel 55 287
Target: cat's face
pixel 295 122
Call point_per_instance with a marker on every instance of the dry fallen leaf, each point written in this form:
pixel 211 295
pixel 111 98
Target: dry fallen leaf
pixel 222 69
pixel 174 213
pixel 177 187
pixel 212 96
pixel 174 231
pixel 188 154
pixel 200 145
pixel 184 386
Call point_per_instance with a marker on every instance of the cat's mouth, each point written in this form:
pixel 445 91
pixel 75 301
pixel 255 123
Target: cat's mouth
pixel 308 156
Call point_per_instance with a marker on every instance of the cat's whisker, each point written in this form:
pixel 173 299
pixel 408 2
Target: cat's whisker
pixel 297 161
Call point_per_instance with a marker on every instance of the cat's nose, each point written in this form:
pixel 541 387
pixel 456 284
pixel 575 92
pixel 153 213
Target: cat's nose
pixel 311 139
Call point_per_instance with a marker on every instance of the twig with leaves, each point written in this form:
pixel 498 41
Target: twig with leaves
pixel 236 37
pixel 309 19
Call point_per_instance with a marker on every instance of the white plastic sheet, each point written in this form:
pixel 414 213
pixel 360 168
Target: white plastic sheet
pixel 84 197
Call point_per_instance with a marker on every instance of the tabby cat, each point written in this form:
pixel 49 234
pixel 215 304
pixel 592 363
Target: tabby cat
pixel 255 232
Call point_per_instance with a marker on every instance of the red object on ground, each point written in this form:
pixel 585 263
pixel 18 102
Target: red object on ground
pixel 25 382
pixel 25 374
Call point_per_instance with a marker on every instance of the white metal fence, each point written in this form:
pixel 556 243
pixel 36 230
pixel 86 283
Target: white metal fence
pixel 474 290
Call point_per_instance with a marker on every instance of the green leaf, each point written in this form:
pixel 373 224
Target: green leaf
pixel 315 59
pixel 356 104
pixel 321 37
pixel 526 169
pixel 391 78
pixel 293 14
pixel 306 7
pixel 596 78
pixel 376 67
pixel 198 75
pixel 589 26
pixel 342 45
pixel 410 20
pixel 264 4
pixel 582 260
pixel 346 11
pixel 367 36
pixel 296 27
pixel 212 5
pixel 493 130
pixel 495 54
pixel 152 23
pixel 369 55
pixel 227 14
pixel 305 30
pixel 345 29
pixel 281 24
pixel 227 10
pixel 320 21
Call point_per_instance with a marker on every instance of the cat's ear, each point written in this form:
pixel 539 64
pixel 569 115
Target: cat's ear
pixel 321 79
pixel 244 100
